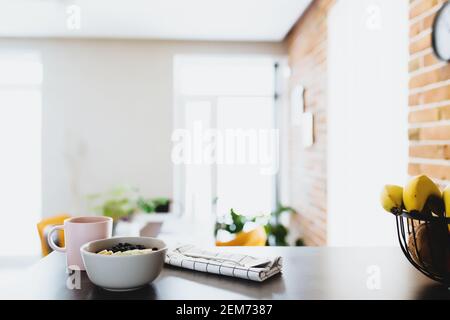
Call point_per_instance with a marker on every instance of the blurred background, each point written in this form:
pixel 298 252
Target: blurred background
pixel 201 121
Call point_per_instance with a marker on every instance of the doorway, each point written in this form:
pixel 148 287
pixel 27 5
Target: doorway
pixel 228 102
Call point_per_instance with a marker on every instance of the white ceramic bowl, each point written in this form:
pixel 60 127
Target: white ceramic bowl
pixel 123 273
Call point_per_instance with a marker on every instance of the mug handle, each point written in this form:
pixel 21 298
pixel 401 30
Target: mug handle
pixel 50 239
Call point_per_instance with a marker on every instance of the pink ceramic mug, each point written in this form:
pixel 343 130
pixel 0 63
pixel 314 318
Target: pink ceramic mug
pixel 78 231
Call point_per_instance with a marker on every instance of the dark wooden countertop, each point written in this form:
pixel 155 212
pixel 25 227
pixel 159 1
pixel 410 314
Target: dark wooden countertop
pixel 308 273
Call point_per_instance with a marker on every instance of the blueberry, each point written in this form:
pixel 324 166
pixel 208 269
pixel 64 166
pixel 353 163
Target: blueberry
pixel 125 246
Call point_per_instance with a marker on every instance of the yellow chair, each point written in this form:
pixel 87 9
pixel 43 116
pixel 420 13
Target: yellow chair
pixel 255 237
pixel 43 228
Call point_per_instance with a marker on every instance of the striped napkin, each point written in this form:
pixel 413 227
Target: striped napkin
pixel 222 263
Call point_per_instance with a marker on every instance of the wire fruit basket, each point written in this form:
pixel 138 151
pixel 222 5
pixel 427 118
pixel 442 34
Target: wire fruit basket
pixel 425 241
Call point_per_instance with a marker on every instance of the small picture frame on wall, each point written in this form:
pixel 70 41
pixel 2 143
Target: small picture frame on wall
pixel 297 104
pixel 300 118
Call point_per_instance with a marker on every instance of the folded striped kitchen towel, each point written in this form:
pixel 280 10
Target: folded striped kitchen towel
pixel 222 263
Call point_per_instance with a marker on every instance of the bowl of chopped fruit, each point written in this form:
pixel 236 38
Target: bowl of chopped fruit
pixel 123 263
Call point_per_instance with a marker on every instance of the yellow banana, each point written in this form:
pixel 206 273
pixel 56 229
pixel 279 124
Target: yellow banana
pixel 392 198
pixel 446 196
pixel 256 237
pixel 421 192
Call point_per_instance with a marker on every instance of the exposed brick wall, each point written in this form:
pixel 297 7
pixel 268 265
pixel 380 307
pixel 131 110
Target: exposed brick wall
pixel 429 97
pixel 429 111
pixel 307 47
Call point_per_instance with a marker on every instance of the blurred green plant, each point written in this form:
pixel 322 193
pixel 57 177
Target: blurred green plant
pixel 276 232
pixel 146 205
pixel 119 202
pixel 122 201
pixel 237 223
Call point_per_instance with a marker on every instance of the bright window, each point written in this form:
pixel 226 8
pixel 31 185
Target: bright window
pixel 20 155
pixel 235 96
pixel 245 113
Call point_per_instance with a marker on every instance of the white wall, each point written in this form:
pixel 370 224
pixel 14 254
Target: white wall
pixel 107 113
pixel 367 118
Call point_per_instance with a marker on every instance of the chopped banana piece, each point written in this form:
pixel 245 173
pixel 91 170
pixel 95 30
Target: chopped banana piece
pixel 106 252
pixel 133 252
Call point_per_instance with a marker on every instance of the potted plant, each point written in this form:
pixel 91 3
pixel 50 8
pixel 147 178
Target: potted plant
pixel 118 203
pixel 162 205
pixel 276 232
pixel 123 203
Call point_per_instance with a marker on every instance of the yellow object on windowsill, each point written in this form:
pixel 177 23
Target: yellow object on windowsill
pixel 255 237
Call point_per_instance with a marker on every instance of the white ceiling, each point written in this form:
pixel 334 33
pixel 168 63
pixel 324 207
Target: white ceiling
pixel 241 20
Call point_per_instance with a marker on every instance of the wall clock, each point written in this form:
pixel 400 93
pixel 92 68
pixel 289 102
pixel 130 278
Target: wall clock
pixel 441 33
